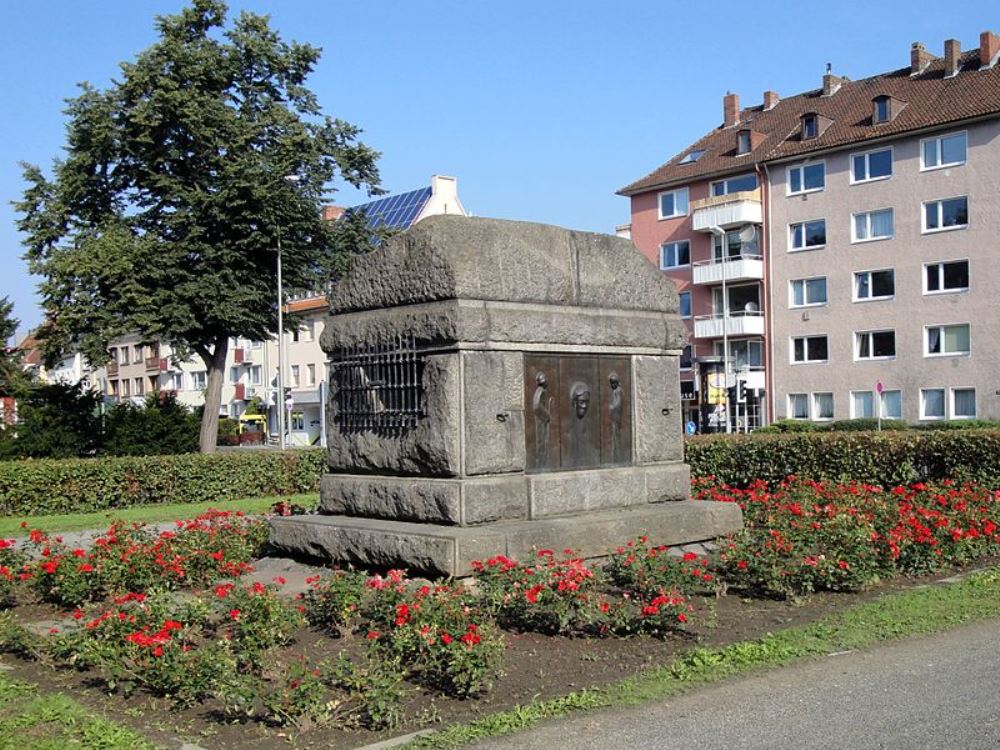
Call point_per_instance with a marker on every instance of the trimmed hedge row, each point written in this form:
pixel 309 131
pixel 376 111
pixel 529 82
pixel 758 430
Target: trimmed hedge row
pixel 883 458
pixel 79 485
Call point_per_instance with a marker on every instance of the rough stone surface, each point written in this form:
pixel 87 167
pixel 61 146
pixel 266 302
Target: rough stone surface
pixel 455 257
pixel 494 412
pixel 656 387
pixel 668 482
pixel 565 493
pixel 449 550
pixel 431 448
pixel 425 500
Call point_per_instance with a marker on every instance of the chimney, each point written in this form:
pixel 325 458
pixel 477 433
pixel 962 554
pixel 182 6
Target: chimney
pixel 989 49
pixel 919 58
pixel 952 52
pixel 831 83
pixel 730 109
pixel 770 100
pixel 332 213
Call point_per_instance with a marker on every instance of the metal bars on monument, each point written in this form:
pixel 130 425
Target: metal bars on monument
pixel 378 386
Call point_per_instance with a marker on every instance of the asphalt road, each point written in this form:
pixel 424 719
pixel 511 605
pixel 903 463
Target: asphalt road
pixel 937 692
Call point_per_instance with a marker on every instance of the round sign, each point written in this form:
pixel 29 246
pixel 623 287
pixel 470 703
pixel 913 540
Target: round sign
pixel 690 428
pixel 879 388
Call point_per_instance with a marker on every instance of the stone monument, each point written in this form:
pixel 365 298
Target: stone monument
pixel 498 387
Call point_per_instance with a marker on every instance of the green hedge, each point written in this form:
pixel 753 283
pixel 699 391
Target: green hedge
pixel 885 458
pixel 78 485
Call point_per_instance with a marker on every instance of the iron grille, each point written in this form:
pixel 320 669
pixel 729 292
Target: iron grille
pixel 378 386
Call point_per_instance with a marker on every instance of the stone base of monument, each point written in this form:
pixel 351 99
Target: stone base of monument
pixel 434 549
pixel 497 388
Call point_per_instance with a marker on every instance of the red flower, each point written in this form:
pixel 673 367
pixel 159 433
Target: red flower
pixel 689 556
pixel 234 614
pixel 372 635
pixel 51 566
pixel 86 568
pixel 77 614
pixel 280 580
pixel 158 652
pixel 446 639
pixel 682 617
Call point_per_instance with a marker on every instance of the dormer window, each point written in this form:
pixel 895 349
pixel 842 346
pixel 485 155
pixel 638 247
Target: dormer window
pixel 692 156
pixel 743 142
pixel 882 109
pixel 810 126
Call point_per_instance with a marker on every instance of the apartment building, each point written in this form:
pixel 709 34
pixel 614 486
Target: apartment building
pixel 878 204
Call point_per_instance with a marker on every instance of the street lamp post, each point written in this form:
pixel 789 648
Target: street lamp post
pixel 280 396
pixel 720 233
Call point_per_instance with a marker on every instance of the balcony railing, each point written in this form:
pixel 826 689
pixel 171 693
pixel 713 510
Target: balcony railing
pixel 737 268
pixel 154 364
pixel 741 323
pixel 112 369
pixel 727 211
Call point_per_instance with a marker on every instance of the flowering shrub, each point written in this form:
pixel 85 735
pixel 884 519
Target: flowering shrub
pixel 255 619
pixel 333 599
pixel 646 570
pixel 11 562
pixel 437 632
pixel 805 536
pixel 128 557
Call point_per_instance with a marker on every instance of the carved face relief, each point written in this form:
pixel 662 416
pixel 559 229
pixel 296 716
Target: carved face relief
pixel 580 396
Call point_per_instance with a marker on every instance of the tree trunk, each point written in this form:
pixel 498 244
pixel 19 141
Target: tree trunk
pixel 215 365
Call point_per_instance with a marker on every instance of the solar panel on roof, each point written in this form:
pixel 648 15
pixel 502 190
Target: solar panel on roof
pixel 396 211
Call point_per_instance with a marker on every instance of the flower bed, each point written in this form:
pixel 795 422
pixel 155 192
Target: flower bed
pixel 169 616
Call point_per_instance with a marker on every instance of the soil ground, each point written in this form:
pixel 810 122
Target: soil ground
pixel 536 666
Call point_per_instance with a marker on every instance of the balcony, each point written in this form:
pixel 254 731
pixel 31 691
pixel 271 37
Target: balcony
pixel 740 268
pixel 239 355
pixel 112 369
pixel 154 364
pixel 742 323
pixel 241 392
pixel 727 211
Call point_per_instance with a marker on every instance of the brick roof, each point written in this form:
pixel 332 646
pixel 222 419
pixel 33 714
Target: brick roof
pixel 930 99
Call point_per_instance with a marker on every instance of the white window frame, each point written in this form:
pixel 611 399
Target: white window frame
pixel 789 411
pixel 867 155
pixel 791 292
pixel 856 347
pixel 814 407
pixel 310 374
pixel 256 375
pixel 197 375
pixel 295 375
pixel 726 180
pixel 944 400
pixel 804 248
pixel 855 240
pixel 940 201
pixel 854 411
pixel 663 255
pixel 854 285
pixel 802 178
pixel 807 360
pixel 679 307
pixel 938 150
pixel 678 191
pixel 941 263
pixel 951 402
pixel 880 400
pixel 942 326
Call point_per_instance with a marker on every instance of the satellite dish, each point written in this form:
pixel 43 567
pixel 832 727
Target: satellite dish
pixel 748 234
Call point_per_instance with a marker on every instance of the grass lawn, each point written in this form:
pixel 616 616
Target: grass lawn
pixel 30 720
pixel 10 527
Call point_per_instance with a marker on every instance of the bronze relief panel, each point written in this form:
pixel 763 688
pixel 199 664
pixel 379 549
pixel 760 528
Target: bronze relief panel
pixel 616 411
pixel 541 425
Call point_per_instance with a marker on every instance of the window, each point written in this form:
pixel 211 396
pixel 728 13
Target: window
pixel 746 353
pixel 139 388
pixel 295 334
pixel 124 353
pixel 944 151
pixel 310 374
pixel 806 178
pixel 137 353
pixel 734 247
pixel 256 375
pixel 692 156
pixel 674 203
pixel 295 376
pixel 810 127
pixel 175 381
pixel 881 112
pixel 126 387
pixel 963 403
pixel 199 380
pixel 675 254
pixel 735 184
pixel 256 344
pixel 807 292
pixel 951 213
pixel 298 421
pixel 862 404
pixel 743 142
pixel 685 304
pixel 687 357
pixel 874 165
pixel 873 225
pixel 234 410
pixel 892 404
pixel 822 406
pixel 949 276
pixel 798 406
pixel 307 331
pixel 234 375
pixel 932 403
pixel 946 340
pixel 873 285
pixel 809 349
pixel 807 235
pixel 875 345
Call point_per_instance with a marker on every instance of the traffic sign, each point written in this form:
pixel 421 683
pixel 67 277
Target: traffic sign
pixel 690 428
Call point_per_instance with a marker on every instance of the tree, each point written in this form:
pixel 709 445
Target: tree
pixel 164 215
pixel 11 373
pixel 54 420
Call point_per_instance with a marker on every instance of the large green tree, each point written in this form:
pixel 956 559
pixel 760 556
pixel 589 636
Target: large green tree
pixel 11 374
pixel 164 215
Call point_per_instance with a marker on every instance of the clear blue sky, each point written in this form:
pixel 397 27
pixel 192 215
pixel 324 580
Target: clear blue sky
pixel 541 109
